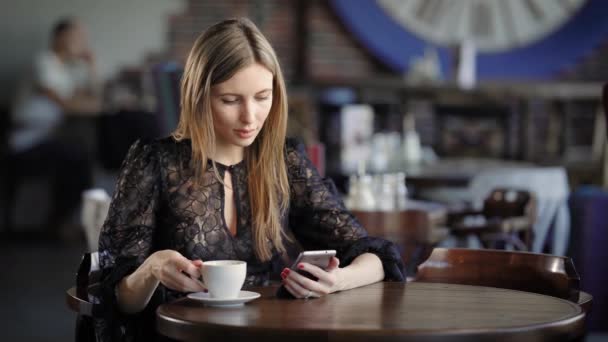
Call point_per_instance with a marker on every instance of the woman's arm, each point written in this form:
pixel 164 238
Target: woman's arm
pixel 365 269
pixel 168 267
pixel 134 291
pixel 319 220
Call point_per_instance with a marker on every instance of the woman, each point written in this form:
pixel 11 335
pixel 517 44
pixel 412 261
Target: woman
pixel 226 185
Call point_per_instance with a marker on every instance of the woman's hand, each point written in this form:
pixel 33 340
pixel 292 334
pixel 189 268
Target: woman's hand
pixel 176 272
pixel 329 280
pixel 168 267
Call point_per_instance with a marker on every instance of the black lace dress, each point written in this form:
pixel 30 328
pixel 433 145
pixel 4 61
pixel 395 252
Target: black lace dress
pixel 156 206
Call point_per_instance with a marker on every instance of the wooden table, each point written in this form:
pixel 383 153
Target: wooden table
pixel 381 312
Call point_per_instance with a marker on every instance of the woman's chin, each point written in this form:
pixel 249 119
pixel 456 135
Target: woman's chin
pixel 244 142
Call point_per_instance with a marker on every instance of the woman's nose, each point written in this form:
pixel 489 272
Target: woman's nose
pixel 248 112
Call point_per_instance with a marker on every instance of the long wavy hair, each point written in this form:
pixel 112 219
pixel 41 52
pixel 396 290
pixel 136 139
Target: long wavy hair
pixel 218 53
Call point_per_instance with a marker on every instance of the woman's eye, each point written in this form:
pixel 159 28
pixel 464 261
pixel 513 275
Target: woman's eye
pixel 262 98
pixel 230 101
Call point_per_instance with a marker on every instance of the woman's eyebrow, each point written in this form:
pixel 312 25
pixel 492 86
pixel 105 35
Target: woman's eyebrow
pixel 264 90
pixel 228 94
pixel 235 94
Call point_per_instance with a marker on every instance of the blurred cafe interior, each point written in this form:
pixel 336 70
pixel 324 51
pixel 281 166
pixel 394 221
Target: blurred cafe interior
pixel 448 127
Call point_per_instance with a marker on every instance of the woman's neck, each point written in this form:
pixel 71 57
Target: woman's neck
pixel 228 155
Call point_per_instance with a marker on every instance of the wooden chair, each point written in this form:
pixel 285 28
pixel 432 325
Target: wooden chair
pixel 539 273
pixel 507 216
pixel 83 299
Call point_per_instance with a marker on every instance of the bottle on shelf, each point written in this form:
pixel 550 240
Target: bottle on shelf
pixel 400 191
pixel 365 199
pixel 352 198
pixel 361 190
pixel 386 193
pixel 412 151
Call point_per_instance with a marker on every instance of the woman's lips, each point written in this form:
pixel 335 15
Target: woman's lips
pixel 244 133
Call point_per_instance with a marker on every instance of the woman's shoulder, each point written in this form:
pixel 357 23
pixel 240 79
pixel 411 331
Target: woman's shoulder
pixel 160 145
pixel 294 146
pixel 296 158
pixel 161 149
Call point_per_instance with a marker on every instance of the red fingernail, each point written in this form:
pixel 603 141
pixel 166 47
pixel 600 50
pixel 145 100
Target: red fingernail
pixel 287 271
pixel 283 275
pixel 300 266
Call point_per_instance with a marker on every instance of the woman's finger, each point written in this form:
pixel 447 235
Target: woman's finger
pixel 184 282
pixel 297 290
pixel 183 264
pixel 333 264
pixel 291 290
pixel 307 284
pixel 191 284
pixel 171 284
pixel 320 274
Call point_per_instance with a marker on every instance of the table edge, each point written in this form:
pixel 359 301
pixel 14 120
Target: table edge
pixel 572 321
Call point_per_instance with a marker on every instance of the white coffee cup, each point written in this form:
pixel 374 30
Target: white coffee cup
pixel 224 278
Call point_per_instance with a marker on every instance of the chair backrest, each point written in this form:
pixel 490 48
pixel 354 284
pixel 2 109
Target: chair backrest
pixel 87 274
pixel 507 202
pixel 531 272
pixel 550 188
pixel 83 298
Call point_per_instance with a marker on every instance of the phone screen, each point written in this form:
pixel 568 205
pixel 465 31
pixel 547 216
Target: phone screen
pixel 320 259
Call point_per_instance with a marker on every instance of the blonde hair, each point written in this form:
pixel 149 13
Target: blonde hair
pixel 218 53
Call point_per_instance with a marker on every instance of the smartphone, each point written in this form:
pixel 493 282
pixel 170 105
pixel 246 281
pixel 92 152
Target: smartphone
pixel 320 259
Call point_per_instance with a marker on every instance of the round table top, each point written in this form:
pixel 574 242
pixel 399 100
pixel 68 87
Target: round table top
pixel 383 312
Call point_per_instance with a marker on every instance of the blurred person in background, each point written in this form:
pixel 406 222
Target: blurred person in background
pixel 61 82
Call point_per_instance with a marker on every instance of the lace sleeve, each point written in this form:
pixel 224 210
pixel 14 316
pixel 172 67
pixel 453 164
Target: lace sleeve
pixel 319 219
pixel 127 235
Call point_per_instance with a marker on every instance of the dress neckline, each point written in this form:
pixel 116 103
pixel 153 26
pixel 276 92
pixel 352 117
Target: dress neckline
pixel 210 161
pixel 224 166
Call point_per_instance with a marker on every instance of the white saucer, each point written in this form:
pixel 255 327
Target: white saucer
pixel 242 298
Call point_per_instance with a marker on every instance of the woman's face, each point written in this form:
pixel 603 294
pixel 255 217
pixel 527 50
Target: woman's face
pixel 240 106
